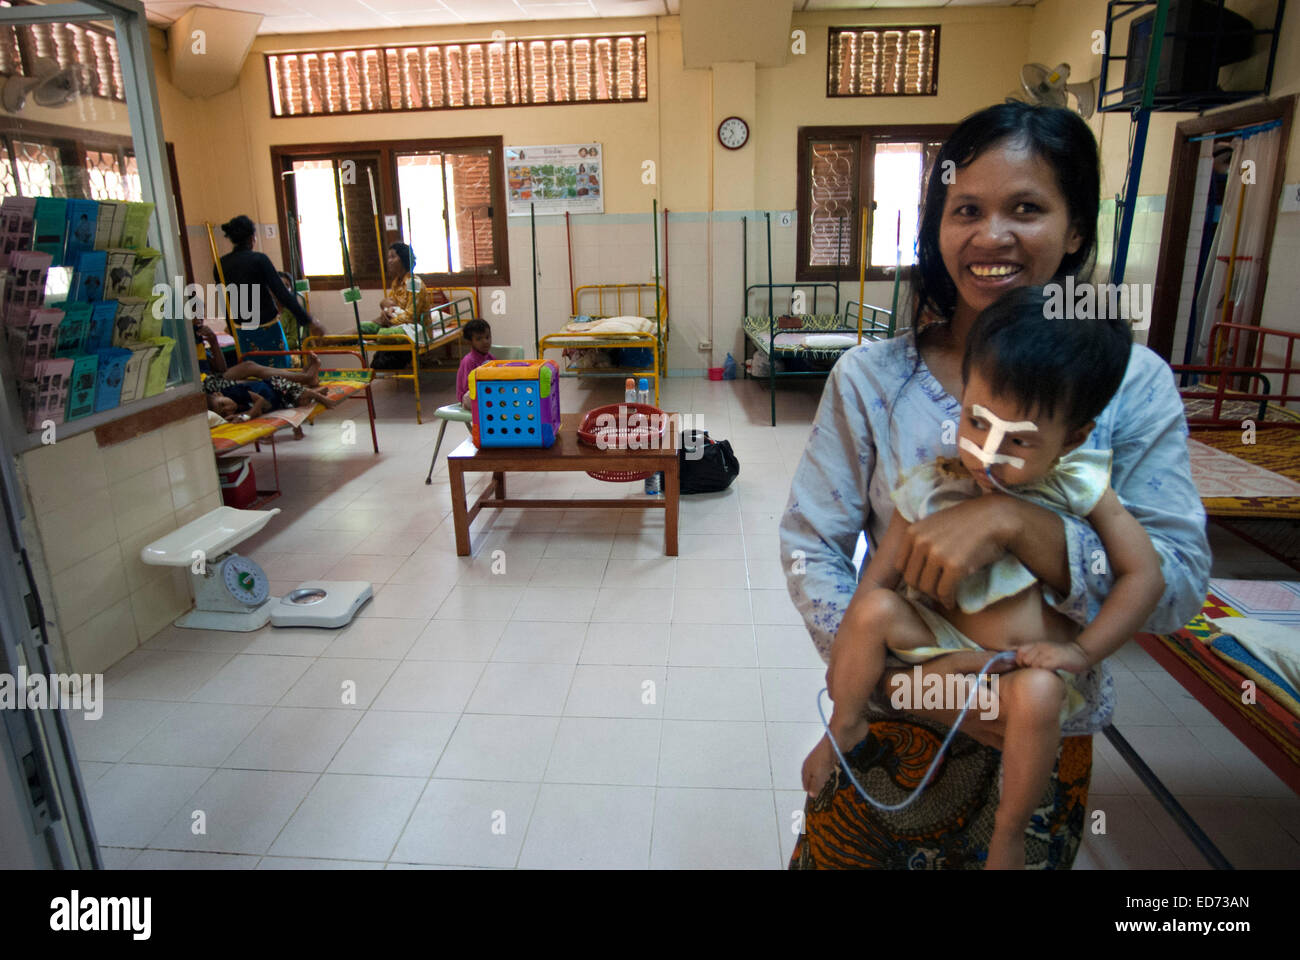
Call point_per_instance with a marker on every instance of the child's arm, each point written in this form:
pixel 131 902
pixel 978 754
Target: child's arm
pixel 1137 589
pixel 258 406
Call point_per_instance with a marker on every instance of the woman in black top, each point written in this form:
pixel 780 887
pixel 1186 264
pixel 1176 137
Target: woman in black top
pixel 244 265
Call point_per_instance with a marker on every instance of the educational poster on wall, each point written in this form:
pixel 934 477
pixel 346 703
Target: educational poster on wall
pixel 558 179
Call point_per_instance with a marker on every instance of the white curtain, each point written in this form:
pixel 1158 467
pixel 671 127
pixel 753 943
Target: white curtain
pixel 1261 150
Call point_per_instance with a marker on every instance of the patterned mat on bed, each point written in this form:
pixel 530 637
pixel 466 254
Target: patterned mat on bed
pixel 758 329
pixel 949 825
pixel 1275 450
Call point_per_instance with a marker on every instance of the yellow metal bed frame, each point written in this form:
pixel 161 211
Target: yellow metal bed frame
pixel 446 322
pixel 655 342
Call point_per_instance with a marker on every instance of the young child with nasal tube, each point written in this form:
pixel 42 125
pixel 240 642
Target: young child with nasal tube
pixel 1032 388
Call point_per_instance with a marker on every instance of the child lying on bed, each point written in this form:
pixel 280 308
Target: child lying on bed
pixel 248 390
pixel 1032 388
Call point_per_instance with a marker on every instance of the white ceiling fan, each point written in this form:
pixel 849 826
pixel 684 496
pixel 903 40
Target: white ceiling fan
pixel 49 87
pixel 1047 86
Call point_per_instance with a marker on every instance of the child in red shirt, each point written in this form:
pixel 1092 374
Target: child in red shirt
pixel 479 335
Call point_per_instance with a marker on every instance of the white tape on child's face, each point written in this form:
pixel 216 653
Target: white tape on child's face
pixel 998 428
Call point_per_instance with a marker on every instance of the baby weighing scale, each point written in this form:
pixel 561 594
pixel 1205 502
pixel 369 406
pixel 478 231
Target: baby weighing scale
pixel 232 592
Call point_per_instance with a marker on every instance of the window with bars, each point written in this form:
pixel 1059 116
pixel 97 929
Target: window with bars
pixel 90 48
pixel 448 197
pixel 844 169
pixel 883 62
pixel 448 76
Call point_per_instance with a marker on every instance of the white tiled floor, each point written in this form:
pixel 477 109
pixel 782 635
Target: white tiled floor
pixel 595 704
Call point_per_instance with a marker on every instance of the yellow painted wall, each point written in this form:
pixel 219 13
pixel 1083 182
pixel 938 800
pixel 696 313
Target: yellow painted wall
pixel 223 142
pixel 238 129
pixel 980 53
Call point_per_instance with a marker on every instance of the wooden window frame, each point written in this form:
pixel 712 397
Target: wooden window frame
pixel 283 156
pixel 830 47
pixel 867 137
pixel 517 65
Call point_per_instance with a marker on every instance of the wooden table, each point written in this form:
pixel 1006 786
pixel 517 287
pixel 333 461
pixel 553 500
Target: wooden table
pixel 566 454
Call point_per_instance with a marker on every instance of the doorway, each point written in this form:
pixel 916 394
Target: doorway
pixel 1200 246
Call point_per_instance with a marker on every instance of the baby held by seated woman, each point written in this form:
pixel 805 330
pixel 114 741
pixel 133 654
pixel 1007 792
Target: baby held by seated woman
pixel 1032 386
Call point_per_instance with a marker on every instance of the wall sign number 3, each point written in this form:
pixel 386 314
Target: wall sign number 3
pixel 733 133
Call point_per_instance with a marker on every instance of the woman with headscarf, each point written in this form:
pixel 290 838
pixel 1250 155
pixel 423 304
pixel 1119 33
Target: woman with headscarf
pixel 245 266
pixel 397 306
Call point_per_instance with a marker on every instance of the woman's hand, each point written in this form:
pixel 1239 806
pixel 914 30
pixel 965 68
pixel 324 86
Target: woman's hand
pixel 939 551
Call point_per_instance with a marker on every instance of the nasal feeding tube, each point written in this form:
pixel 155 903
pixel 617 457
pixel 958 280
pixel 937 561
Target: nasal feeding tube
pixel 998 428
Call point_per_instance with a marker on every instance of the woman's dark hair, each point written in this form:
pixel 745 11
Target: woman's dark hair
pixel 1057 135
pixel 474 328
pixel 1028 347
pixel 239 230
pixel 404 254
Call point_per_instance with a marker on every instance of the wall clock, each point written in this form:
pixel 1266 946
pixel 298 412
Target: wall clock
pixel 733 133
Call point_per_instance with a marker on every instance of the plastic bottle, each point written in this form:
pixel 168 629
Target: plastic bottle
pixel 654 484
pixel 629 391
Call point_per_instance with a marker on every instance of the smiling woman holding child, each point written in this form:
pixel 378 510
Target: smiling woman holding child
pixel 1013 203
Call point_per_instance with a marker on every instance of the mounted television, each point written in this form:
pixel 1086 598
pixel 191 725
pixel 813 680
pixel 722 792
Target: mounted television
pixel 1191 58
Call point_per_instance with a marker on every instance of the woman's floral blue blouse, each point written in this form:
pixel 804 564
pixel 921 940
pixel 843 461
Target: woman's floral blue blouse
pixel 883 413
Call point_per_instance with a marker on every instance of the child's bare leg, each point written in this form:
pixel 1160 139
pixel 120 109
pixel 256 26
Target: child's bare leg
pixel 318 396
pixel 883 620
pixel 311 367
pixel 1032 700
pixel 248 370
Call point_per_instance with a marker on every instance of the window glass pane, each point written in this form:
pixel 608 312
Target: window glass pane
pixel 40 166
pixel 318 218
pixel 458 75
pixel 132 178
pixel 106 254
pixel 833 176
pixel 896 189
pixel 419 189
pixel 8 185
pixel 105 176
pixel 469 198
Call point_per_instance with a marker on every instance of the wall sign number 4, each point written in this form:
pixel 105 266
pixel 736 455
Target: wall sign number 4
pixel 733 133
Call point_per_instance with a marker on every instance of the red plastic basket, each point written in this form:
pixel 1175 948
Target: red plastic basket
pixel 634 425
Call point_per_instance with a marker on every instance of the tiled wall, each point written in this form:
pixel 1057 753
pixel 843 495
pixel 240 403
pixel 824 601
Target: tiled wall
pixel 94 508
pixel 1143 247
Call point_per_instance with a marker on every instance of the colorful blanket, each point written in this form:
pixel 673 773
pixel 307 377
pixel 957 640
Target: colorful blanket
pixel 336 383
pixel 1218 660
pixel 949 825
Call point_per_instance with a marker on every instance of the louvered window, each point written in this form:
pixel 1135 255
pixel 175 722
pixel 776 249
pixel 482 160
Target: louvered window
pixel 92 49
pixel 883 62
pixel 446 76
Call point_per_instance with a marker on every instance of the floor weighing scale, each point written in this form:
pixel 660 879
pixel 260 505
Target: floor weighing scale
pixel 232 592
